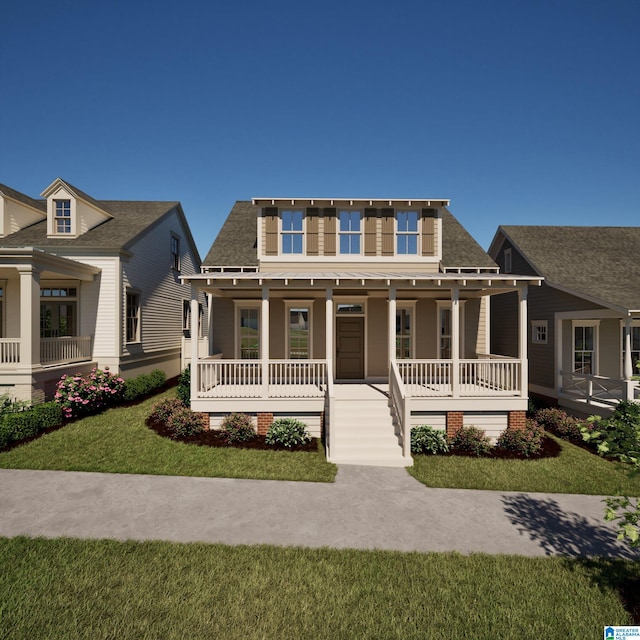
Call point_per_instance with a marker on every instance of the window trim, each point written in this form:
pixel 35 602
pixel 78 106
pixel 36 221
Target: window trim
pixel 539 324
pixel 137 338
pixel 407 305
pixel 417 233
pixel 635 324
pixel 359 233
pixel 293 304
pixel 292 232
pixel 67 219
pixel 238 306
pixel 596 338
pixel 175 255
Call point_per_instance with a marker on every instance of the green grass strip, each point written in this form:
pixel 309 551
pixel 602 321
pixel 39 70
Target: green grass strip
pixel 575 470
pixel 72 589
pixel 118 441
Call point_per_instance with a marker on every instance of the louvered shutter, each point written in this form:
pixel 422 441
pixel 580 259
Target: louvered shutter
pixel 329 232
pixel 312 231
pixel 271 231
pixel 388 232
pixel 370 231
pixel 429 232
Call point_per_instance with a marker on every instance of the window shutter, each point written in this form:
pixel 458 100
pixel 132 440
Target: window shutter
pixel 271 230
pixel 312 231
pixel 329 232
pixel 370 230
pixel 429 232
pixel 388 232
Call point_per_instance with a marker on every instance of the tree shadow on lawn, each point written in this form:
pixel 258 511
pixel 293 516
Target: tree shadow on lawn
pixel 588 545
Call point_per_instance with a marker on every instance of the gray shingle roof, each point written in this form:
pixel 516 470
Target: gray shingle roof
pixel 21 197
pixel 598 263
pixel 130 219
pixel 236 245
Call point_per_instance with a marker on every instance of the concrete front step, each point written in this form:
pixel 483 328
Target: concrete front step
pixel 373 461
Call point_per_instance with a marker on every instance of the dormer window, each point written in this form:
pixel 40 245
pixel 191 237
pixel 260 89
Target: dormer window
pixel 62 216
pixel 350 223
pixel 407 233
pixel 292 232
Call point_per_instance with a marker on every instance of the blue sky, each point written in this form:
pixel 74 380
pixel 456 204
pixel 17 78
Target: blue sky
pixel 518 111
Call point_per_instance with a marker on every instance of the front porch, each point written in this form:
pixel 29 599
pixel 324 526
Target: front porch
pixel 53 351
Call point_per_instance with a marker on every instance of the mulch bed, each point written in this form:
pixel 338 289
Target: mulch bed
pixel 550 449
pixel 212 438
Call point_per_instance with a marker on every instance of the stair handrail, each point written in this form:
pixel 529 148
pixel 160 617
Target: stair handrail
pixel 400 403
pixel 329 409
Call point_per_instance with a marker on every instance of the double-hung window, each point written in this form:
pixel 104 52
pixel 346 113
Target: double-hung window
pixel 175 253
pixel 635 348
pixel 62 216
pixel 407 233
pixel 584 348
pixel 404 342
pixel 298 330
pixel 350 231
pixel 292 231
pixel 249 333
pixel 133 317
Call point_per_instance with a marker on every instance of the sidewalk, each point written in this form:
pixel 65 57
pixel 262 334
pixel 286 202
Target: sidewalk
pixel 366 508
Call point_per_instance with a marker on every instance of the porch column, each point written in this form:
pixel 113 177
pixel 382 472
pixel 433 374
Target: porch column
pixel 29 317
pixel 391 331
pixel 522 341
pixel 195 370
pixel 455 341
pixel 264 340
pixel 628 365
pixel 328 331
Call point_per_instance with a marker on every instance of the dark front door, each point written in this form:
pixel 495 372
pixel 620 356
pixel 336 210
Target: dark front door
pixel 350 348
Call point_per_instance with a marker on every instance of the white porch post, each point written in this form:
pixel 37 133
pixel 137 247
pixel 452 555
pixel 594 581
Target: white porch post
pixel 264 340
pixel 455 341
pixel 522 341
pixel 328 330
pixel 628 366
pixel 195 370
pixel 391 332
pixel 29 317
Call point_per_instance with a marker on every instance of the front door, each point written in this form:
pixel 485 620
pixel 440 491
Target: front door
pixel 350 348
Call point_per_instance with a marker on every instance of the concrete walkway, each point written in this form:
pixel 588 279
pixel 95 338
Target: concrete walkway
pixel 366 508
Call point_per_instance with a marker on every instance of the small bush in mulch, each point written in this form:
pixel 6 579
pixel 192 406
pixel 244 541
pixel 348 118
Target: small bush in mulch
pixel 177 419
pixel 560 423
pixel 471 441
pixel 236 428
pixel 287 432
pixel 524 442
pixel 426 439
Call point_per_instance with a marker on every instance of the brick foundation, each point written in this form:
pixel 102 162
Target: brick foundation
pixel 264 422
pixel 517 419
pixel 455 421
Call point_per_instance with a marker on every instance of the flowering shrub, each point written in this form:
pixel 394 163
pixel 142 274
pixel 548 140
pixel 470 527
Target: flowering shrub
pixel 79 396
pixel 525 442
pixel 471 440
pixel 426 439
pixel 559 422
pixel 161 411
pixel 287 432
pixel 179 420
pixel 237 427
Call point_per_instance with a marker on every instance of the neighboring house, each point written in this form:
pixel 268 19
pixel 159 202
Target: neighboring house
pixel 584 321
pixel 361 317
pixel 86 283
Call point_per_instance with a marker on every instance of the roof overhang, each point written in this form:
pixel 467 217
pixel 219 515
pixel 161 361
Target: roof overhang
pixel 48 264
pixel 351 202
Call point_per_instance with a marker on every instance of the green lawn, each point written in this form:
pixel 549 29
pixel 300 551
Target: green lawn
pixel 575 470
pixel 118 441
pixel 52 589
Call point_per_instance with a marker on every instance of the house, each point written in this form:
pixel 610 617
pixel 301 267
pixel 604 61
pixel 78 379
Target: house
pixel 362 318
pixel 86 283
pixel 584 321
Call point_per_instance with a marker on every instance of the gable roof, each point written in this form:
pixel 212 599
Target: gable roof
pixel 81 195
pixel 600 264
pixel 40 205
pixel 236 243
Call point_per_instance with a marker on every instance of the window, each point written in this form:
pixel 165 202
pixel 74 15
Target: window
pixel 347 309
pixel 292 233
pixel 584 348
pixel 403 334
pixel 249 333
pixel 445 329
pixel 58 312
pixel 133 317
pixel 298 330
pixel 349 234
pixel 539 331
pixel 62 217
pixel 186 317
pixel 407 233
pixel 508 266
pixel 635 348
pixel 1 316
pixel 175 253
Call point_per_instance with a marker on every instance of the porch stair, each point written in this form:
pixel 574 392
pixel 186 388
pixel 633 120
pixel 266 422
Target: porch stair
pixel 363 430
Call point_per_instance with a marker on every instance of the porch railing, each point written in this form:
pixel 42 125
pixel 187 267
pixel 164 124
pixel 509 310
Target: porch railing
pixel 255 379
pixel 590 388
pixel 65 349
pixel 9 351
pixel 400 404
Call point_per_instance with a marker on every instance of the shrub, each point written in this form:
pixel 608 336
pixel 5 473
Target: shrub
pixel 10 405
pixel 143 384
pixel 236 428
pixel 184 422
pixel 184 386
pixel 559 422
pixel 161 411
pixel 287 432
pixel 79 396
pixel 618 435
pixel 27 423
pixel 471 440
pixel 48 414
pixel 525 442
pixel 426 439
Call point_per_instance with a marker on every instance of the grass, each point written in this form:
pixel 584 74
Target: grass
pixel 575 470
pixel 76 589
pixel 118 441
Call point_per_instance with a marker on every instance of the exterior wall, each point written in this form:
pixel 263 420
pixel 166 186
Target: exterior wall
pixel 318 329
pixel 471 312
pixel 426 329
pixel 377 338
pixel 223 327
pixel 313 420
pixel 15 216
pixel 12 301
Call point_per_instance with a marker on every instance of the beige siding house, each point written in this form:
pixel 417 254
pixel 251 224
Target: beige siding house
pixel 87 283
pixel 584 321
pixel 362 317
